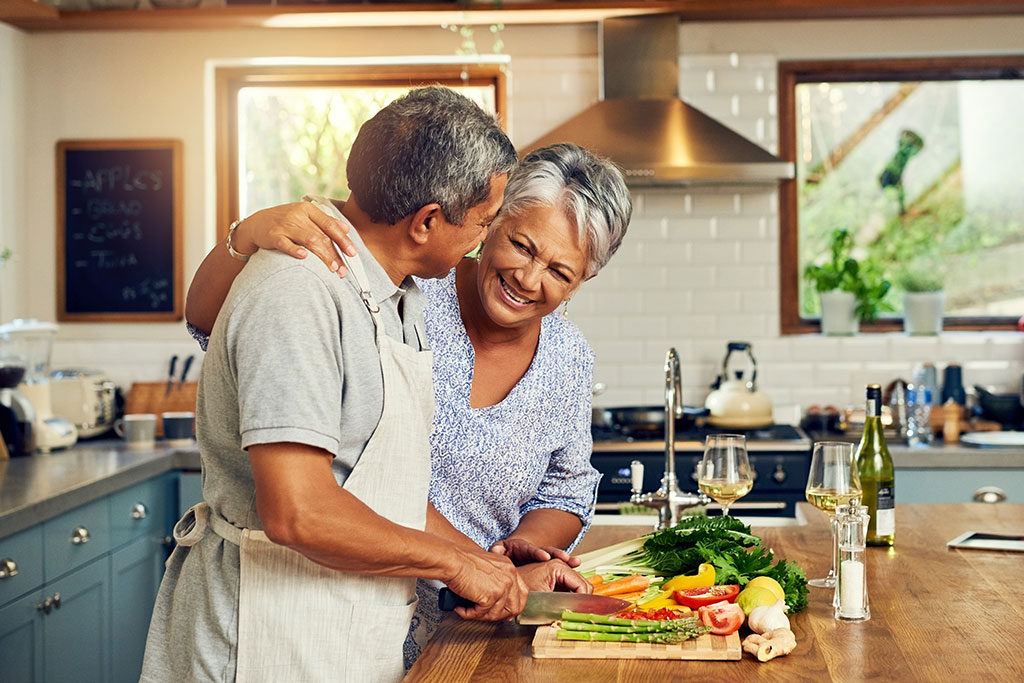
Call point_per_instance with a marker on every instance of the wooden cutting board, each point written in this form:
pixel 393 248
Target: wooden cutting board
pixel 547 646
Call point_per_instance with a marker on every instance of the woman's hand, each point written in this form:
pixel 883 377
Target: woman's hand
pixel 295 229
pixel 521 552
pixel 554 575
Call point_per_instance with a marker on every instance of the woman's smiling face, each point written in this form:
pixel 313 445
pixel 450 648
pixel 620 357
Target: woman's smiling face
pixel 531 262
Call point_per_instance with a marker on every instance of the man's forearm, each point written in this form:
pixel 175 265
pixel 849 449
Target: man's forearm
pixel 548 527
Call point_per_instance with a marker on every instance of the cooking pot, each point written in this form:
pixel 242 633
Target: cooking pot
pixel 1006 409
pixel 735 402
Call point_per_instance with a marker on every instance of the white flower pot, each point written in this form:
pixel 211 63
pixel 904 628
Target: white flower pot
pixel 922 312
pixel 837 313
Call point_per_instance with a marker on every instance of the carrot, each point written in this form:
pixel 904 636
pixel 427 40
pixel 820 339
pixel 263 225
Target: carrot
pixel 595 580
pixel 632 597
pixel 627 584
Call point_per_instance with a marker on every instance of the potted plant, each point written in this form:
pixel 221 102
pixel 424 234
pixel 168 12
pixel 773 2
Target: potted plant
pixel 923 300
pixel 849 291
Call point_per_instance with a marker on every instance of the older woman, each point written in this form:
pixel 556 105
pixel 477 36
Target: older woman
pixel 510 447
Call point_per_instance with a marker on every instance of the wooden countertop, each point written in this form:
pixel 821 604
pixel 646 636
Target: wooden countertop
pixel 936 614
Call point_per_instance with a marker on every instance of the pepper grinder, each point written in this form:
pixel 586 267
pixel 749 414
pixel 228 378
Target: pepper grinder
pixel 851 596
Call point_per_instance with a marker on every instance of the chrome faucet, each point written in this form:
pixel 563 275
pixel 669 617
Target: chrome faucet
pixel 669 501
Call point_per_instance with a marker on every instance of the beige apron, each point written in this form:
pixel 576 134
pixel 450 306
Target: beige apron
pixel 299 621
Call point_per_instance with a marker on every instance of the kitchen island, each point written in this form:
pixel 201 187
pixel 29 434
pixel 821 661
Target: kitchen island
pixel 936 615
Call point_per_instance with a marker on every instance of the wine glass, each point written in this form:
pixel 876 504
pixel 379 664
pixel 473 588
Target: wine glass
pixel 725 473
pixel 832 481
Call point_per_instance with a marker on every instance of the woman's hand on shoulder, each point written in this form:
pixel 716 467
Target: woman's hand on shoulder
pixel 553 575
pixel 521 552
pixel 296 229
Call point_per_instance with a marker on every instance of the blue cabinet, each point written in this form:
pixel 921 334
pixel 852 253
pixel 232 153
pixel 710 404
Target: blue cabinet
pixel 21 640
pixel 78 603
pixel 75 630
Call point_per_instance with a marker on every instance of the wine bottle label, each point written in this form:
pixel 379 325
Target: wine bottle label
pixel 872 408
pixel 885 522
pixel 885 516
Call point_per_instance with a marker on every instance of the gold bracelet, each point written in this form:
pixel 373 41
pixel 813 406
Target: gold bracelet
pixel 237 255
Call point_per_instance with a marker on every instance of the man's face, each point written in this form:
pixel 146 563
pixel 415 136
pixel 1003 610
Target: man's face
pixel 449 243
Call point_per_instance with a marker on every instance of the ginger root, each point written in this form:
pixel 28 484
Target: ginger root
pixel 772 644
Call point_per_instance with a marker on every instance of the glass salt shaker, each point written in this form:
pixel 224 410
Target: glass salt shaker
pixel 851 595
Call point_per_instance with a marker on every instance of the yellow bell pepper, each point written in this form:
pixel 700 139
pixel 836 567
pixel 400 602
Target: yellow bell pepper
pixel 662 599
pixel 705 576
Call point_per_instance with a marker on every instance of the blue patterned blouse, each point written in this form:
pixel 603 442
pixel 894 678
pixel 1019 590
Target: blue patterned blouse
pixel 490 466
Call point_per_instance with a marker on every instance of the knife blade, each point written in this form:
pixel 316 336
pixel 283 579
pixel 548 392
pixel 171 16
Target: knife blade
pixel 170 375
pixel 544 607
pixel 184 371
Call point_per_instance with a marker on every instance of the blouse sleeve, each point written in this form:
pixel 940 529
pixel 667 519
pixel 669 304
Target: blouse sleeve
pixel 570 482
pixel 197 334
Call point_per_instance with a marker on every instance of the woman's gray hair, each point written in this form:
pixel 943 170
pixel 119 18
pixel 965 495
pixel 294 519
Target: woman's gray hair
pixel 591 191
pixel 430 145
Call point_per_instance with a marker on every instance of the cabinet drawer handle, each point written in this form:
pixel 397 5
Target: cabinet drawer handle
pixel 139 511
pixel 989 494
pixel 45 606
pixel 8 568
pixel 779 475
pixel 56 600
pixel 80 535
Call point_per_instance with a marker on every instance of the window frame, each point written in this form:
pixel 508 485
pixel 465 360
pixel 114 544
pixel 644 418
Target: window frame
pixel 229 80
pixel 793 73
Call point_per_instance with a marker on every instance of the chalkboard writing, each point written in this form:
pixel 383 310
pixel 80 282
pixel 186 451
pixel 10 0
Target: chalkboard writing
pixel 118 231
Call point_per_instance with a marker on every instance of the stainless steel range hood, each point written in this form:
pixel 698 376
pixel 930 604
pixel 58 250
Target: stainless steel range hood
pixel 642 125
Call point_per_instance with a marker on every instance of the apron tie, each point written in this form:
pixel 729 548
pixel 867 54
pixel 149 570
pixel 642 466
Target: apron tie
pixel 192 526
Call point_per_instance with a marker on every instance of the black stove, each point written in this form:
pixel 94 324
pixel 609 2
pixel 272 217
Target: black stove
pixel 780 455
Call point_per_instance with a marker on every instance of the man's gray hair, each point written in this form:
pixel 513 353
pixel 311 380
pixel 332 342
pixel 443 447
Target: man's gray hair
pixel 590 189
pixel 430 145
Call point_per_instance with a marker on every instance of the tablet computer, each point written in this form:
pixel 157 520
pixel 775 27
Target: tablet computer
pixel 979 540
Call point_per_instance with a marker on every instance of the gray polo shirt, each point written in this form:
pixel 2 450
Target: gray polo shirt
pixel 293 358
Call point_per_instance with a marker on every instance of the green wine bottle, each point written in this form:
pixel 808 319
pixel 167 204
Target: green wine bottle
pixel 877 480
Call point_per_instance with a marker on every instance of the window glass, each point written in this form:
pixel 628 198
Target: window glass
pixel 294 140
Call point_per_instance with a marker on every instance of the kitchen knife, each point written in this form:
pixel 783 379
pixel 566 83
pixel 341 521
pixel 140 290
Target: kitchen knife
pixel 543 607
pixel 184 371
pixel 170 375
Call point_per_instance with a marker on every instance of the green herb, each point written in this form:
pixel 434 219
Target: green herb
pixel 728 544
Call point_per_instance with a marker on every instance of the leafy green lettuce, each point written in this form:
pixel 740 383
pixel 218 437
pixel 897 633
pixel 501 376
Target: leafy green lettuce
pixel 727 543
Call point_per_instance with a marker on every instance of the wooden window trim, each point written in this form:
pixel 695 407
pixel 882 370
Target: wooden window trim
pixel 229 80
pixel 792 73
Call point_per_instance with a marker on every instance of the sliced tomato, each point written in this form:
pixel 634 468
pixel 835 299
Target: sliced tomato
pixel 722 618
pixel 706 595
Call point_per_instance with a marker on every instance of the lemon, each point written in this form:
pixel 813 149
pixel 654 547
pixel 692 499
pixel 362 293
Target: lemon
pixel 755 596
pixel 769 583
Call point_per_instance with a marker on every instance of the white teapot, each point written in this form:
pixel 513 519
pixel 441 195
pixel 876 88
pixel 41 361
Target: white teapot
pixel 735 403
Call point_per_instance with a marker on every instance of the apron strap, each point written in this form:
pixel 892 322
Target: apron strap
pixel 192 526
pixel 354 265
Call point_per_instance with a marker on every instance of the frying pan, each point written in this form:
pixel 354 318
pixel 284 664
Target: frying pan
pixel 651 418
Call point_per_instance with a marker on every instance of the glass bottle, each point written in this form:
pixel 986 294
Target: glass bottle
pixel 877 479
pixel 851 596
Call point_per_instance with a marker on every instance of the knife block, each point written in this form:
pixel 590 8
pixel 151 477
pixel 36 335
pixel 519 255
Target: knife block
pixel 153 397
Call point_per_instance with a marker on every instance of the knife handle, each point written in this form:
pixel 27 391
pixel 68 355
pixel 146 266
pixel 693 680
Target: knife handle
pixel 447 600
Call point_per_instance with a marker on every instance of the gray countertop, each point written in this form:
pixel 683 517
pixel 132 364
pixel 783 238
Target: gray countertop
pixel 38 487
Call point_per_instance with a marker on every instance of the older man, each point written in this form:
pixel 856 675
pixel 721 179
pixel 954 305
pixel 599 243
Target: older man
pixel 315 405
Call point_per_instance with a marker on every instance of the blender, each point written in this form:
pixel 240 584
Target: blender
pixel 34 341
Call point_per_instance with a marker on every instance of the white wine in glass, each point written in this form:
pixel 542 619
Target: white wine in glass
pixel 832 481
pixel 725 474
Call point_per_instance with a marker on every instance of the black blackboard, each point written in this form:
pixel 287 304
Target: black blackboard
pixel 119 230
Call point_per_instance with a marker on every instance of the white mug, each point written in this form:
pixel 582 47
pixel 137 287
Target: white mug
pixel 137 429
pixel 178 428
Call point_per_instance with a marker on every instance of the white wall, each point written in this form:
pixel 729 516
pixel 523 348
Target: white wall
pixel 698 267
pixel 12 158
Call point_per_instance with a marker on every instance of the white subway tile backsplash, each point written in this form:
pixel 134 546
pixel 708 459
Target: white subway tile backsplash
pixel 693 326
pixel 747 279
pixel 920 349
pixel 716 253
pixel 664 203
pixel 749 227
pixel 965 346
pixel 643 326
pixel 743 326
pixel 691 230
pixel 718 203
pixel 1007 347
pixel 722 302
pixel 643 277
pixel 765 301
pixel 669 253
pixel 666 302
pixel 691 277
pixel 759 252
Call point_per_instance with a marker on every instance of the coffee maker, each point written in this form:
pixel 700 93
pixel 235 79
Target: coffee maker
pixel 16 412
pixel 32 341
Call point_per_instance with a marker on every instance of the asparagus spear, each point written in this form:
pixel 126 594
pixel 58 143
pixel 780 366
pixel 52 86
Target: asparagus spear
pixel 662 625
pixel 667 637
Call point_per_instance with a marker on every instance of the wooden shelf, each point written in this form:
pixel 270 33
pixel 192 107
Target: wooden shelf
pixel 33 16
